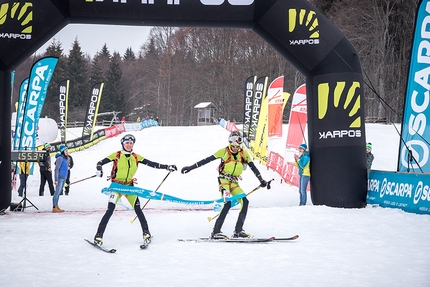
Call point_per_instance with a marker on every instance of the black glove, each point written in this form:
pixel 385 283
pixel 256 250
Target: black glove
pixel 172 168
pixel 187 169
pixel 99 173
pixel 263 183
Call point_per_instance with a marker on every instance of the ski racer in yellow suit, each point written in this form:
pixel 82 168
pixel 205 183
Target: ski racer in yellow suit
pixel 124 167
pixel 233 161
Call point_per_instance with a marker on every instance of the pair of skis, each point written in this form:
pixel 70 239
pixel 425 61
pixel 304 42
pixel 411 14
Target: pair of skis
pixel 241 240
pixel 107 250
pixel 207 239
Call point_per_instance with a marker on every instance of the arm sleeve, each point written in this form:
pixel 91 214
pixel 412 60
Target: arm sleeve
pixel 303 161
pixel 255 170
pixel 153 164
pixel 57 167
pixel 71 161
pixel 204 161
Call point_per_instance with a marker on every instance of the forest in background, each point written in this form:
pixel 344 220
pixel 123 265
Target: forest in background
pixel 178 68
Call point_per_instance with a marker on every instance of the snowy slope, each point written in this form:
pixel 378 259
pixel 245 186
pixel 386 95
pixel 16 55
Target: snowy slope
pixel 337 247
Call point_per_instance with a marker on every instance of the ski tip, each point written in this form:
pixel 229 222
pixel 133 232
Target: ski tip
pixel 112 251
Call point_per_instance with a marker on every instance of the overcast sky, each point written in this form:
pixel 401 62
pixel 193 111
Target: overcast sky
pixel 92 38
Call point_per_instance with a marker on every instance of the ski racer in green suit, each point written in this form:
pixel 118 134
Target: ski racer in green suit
pixel 234 159
pixel 124 167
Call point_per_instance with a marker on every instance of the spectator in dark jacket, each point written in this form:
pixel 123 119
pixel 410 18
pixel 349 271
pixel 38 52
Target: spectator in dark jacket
pixel 46 172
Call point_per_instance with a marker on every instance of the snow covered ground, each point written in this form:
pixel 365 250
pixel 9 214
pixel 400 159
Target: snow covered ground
pixel 337 247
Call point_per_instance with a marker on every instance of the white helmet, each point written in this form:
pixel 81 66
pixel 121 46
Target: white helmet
pixel 128 138
pixel 235 138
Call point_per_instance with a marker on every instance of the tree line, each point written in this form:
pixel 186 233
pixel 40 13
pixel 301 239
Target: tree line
pixel 177 68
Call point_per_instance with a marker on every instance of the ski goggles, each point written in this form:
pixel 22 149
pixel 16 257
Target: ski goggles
pixel 236 140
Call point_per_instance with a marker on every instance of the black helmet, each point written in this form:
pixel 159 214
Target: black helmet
pixel 235 138
pixel 128 138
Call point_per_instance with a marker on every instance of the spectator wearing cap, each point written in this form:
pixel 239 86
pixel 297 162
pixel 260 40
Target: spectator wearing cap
pixel 60 175
pixel 46 171
pixel 369 155
pixel 302 161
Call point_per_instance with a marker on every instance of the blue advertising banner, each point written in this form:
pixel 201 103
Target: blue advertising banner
pixel 407 191
pixel 20 114
pixel 414 153
pixel 40 76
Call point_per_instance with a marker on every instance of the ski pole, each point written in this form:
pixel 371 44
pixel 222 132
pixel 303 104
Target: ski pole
pixel 83 179
pixel 255 189
pixel 132 220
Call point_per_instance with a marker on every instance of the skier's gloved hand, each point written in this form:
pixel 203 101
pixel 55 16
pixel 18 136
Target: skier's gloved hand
pixel 172 168
pixel 263 183
pixel 99 173
pixel 187 169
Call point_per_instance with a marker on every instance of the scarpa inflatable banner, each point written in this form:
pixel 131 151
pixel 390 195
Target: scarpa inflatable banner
pixel 407 191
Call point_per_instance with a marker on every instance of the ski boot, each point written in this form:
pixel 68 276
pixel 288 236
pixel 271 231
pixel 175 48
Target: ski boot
pixel 241 234
pixel 98 239
pixel 218 236
pixel 146 238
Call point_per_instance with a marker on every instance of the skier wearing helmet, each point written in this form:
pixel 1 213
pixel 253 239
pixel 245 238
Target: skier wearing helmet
pixel 233 161
pixel 125 163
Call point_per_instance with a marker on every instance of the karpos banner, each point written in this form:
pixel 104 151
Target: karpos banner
pixel 63 100
pixel 92 110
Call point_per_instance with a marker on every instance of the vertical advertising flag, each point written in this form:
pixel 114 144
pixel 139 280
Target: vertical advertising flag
pixel 275 101
pixel 63 100
pixel 260 85
pixel 298 118
pixel 40 76
pixel 259 146
pixel 247 107
pixel 20 114
pixel 414 150
pixel 92 110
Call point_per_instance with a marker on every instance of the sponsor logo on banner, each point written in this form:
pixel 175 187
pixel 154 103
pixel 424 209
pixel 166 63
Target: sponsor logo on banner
pixel 407 191
pixel 16 20
pixel 303 23
pixel 178 2
pixel 91 112
pixel 339 106
pixel 414 152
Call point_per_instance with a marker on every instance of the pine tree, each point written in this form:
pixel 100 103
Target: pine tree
pixel 113 93
pixel 129 55
pixel 50 108
pixel 97 74
pixel 79 86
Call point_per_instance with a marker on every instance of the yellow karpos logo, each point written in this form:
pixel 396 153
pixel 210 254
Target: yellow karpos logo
pixel 340 103
pixel 16 20
pixel 304 23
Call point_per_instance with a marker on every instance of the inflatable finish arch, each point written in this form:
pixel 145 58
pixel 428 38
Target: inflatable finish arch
pixel 293 27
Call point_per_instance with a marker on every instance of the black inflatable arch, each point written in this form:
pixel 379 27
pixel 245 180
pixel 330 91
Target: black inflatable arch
pixel 293 27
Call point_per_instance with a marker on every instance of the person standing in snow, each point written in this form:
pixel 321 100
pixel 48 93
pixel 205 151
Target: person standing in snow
pixel 369 155
pixel 46 171
pixel 24 172
pixel 125 163
pixel 60 175
pixel 234 159
pixel 67 184
pixel 302 162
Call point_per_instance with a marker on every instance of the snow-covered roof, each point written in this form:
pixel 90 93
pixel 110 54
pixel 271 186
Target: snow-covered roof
pixel 204 105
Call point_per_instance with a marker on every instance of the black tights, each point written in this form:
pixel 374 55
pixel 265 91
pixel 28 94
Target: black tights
pixel 111 209
pixel 240 220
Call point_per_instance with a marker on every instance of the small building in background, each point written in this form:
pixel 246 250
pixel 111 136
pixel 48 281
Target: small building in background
pixel 206 114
